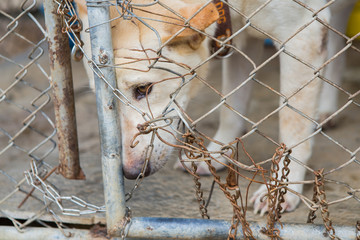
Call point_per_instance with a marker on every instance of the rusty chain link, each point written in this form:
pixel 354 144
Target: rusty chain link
pixel 232 185
pixel 319 197
pixel 312 213
pixel 277 188
pixel 199 193
pixel 239 213
pixel 285 171
pixel 189 139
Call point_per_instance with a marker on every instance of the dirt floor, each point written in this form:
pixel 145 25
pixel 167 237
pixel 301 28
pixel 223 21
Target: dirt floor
pixel 170 193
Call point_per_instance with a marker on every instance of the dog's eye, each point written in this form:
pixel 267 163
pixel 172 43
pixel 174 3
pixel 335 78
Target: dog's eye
pixel 141 90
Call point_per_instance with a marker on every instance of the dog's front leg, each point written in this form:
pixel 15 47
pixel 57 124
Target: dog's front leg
pixel 301 88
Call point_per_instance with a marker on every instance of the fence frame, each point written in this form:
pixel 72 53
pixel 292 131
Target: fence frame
pixel 181 228
pixel 110 140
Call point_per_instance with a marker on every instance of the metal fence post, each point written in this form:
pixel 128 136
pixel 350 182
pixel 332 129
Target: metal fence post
pixel 64 105
pixel 107 105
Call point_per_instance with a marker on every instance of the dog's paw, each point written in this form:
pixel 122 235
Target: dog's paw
pixel 261 204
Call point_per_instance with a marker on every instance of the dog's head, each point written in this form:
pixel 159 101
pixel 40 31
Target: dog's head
pixel 149 79
pixel 136 47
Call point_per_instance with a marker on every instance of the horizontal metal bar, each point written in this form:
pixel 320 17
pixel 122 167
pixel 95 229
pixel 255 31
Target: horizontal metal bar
pixel 181 228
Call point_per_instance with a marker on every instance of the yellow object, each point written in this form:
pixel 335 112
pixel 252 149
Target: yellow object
pixel 353 27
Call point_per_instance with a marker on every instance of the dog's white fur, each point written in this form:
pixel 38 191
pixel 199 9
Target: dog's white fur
pixel 281 19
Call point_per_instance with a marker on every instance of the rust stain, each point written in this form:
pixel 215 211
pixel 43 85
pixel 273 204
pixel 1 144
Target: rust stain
pixel 98 231
pixel 63 98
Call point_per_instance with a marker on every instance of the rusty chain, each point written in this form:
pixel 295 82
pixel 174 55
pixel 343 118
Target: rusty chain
pixel 199 193
pixel 285 171
pixel 277 188
pixel 319 197
pixel 190 140
pixel 312 215
pixel 232 192
pixel 232 185
pixel 239 215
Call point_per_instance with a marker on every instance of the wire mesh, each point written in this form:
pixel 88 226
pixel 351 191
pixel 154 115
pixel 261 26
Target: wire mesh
pixel 154 82
pixel 27 132
pixel 162 59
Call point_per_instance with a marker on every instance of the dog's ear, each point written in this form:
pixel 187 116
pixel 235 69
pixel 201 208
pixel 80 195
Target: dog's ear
pixel 200 20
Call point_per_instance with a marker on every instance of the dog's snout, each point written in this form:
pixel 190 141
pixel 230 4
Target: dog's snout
pixel 130 175
pixel 133 172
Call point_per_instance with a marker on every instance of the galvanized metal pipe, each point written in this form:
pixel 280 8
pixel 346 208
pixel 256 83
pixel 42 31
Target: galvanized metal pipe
pixel 179 228
pixel 107 106
pixel 64 105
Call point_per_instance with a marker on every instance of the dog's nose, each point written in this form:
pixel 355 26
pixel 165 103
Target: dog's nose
pixel 130 175
pixel 133 172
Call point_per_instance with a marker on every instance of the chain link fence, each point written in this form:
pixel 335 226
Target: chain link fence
pixel 169 92
pixel 23 117
pixel 29 195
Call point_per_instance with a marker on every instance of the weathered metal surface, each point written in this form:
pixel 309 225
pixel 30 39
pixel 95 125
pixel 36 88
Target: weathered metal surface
pixel 109 126
pixel 178 228
pixel 182 228
pixel 64 105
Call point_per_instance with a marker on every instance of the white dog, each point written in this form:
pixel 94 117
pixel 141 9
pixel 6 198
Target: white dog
pixel 136 44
